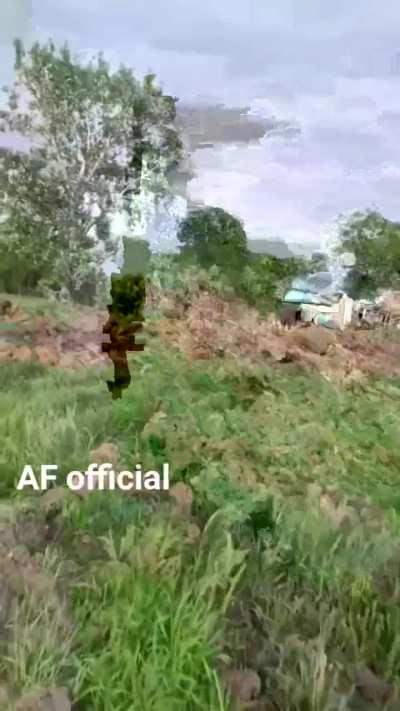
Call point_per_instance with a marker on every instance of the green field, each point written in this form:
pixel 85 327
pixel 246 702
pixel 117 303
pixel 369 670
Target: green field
pixel 287 563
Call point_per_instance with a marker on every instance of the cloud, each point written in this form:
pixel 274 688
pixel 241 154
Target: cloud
pixel 345 159
pixel 331 67
pixel 252 36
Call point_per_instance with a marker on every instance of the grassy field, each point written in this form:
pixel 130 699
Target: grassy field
pixel 287 564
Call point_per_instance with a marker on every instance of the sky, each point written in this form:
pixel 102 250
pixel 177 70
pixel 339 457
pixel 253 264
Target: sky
pixel 332 68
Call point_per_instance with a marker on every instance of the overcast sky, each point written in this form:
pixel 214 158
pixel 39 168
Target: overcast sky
pixel 333 66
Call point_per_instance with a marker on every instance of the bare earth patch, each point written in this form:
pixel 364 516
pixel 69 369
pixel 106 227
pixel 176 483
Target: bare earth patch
pixel 212 327
pixel 209 327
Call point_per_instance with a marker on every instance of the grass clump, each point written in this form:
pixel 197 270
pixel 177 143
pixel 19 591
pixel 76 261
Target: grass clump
pixel 149 631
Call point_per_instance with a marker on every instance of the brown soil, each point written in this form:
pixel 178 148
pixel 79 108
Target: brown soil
pixel 45 341
pixel 209 327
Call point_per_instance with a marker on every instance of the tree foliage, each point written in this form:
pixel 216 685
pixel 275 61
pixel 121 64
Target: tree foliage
pixel 266 278
pixel 319 262
pixel 95 136
pixel 213 236
pixel 375 242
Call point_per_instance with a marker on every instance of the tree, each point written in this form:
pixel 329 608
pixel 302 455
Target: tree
pixel 266 278
pixel 319 262
pixel 375 242
pixel 95 136
pixel 213 236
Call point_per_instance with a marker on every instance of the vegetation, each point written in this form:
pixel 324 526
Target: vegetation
pixel 375 242
pixel 213 236
pixel 260 574
pixel 318 263
pixel 265 280
pixel 261 281
pixel 95 137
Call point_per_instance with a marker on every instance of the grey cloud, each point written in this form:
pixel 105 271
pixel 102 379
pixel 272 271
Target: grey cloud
pixel 211 124
pixel 345 159
pixel 285 58
pixel 356 149
pixel 252 36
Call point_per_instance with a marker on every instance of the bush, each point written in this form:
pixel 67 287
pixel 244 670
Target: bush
pixel 17 273
pixel 375 242
pixel 261 282
pixel 264 281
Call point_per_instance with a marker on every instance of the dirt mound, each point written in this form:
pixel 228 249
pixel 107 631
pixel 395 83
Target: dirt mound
pixel 45 341
pixel 205 328
pixel 212 327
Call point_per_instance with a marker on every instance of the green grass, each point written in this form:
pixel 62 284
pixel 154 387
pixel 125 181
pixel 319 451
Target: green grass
pixel 284 428
pixel 149 623
pixel 274 584
pixel 36 306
